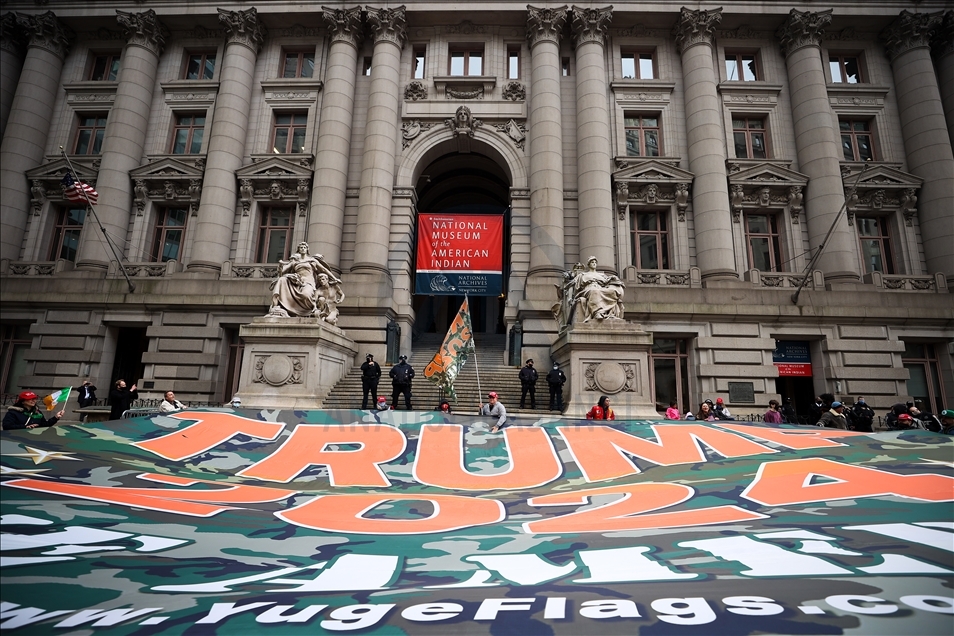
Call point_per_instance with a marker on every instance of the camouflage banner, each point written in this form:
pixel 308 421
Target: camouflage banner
pixel 230 522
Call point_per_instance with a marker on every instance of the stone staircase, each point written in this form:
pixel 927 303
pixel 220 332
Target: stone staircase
pixel 494 376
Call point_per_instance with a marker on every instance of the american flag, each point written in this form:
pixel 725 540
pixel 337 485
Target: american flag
pixel 73 190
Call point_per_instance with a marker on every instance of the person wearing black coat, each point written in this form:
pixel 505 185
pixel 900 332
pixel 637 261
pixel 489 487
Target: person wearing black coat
pixel 788 412
pixel 370 375
pixel 528 384
pixel 862 416
pixel 24 414
pixel 121 398
pixel 401 374
pixel 555 381
pixel 87 397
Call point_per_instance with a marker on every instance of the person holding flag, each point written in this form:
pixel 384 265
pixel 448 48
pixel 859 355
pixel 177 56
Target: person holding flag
pixel 458 344
pixel 24 413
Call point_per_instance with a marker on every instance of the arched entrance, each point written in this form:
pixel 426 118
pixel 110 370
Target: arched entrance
pixel 461 184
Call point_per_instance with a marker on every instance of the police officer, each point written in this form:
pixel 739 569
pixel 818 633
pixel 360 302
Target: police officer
pixel 555 381
pixel 528 383
pixel 862 416
pixel 370 375
pixel 401 376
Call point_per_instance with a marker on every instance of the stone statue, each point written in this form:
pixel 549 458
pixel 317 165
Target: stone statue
pixel 588 294
pixel 306 287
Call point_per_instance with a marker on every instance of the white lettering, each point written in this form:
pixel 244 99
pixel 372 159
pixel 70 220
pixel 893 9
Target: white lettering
pixel 765 559
pixel 523 569
pixel 926 602
pixel 609 609
pixel 490 606
pixel 220 611
pixel 752 606
pixel 849 603
pixel 13 618
pixel 349 572
pixel 684 611
pixel 617 565
pixel 430 612
pixel 105 618
pixel 555 609
pixel 352 617
pixel 277 614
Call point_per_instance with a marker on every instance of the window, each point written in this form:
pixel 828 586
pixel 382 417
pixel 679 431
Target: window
pixel 420 55
pixel 650 240
pixel 669 358
pixel 748 134
pixel 642 135
pixel 742 67
pixel 289 132
pixel 200 66
pixel 170 231
pixel 565 65
pixel 298 64
pixel 16 341
pixel 274 235
pixel 845 69
pixel 467 60
pixel 105 67
pixel 513 61
pixel 366 66
pixel 66 233
pixel 924 386
pixel 856 139
pixel 639 65
pixel 188 133
pixel 875 244
pixel 89 134
pixel 761 235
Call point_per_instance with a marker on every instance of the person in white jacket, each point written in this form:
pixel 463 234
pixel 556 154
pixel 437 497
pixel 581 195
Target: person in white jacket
pixel 170 404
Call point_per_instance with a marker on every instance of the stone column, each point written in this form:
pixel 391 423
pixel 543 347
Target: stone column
pixel 373 231
pixel 544 29
pixel 943 49
pixel 592 133
pixel 29 122
pixel 213 236
pixel 11 61
pixel 125 135
pixel 927 141
pixel 334 134
pixel 705 135
pixel 817 144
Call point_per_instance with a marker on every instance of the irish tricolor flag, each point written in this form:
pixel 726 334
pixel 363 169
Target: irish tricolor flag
pixel 56 397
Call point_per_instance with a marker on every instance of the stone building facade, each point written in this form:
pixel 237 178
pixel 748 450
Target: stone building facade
pixel 704 155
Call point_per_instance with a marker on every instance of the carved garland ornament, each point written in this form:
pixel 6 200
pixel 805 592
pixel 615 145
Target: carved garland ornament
pixel 514 91
pixel 415 91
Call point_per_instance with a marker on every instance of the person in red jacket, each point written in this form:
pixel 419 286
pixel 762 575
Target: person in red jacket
pixel 602 410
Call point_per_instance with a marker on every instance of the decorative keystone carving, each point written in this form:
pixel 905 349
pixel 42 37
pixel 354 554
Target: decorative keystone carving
pixel 143 29
pixel 545 24
pixel 11 37
pixel 463 123
pixel 910 31
pixel 344 25
pixel 802 28
pixel 243 27
pixel 46 32
pixel 514 91
pixel 696 27
pixel 415 91
pixel 591 25
pixel 388 25
pixel 943 43
pixel 516 131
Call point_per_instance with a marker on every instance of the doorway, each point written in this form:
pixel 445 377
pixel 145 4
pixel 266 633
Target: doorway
pixel 802 392
pixel 131 344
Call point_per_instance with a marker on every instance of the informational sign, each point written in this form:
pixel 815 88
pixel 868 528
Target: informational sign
pixel 792 358
pixel 281 521
pixel 742 392
pixel 459 254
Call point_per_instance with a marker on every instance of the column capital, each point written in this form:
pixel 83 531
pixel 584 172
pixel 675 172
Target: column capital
pixel 545 24
pixel 143 29
pixel 11 37
pixel 388 25
pixel 943 42
pixel 591 24
pixel 696 27
pixel 46 32
pixel 344 25
pixel 243 27
pixel 802 28
pixel 910 31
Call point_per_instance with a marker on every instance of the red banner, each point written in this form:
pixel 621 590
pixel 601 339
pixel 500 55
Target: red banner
pixel 459 254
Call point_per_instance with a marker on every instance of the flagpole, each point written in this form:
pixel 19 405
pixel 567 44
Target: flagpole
pixel 91 209
pixel 480 393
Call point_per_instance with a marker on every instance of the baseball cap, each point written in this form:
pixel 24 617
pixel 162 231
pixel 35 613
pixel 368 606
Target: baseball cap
pixel 719 401
pixel 28 395
pixel 492 394
pixel 381 398
pixel 947 413
pixel 904 417
pixel 708 402
pixel 835 404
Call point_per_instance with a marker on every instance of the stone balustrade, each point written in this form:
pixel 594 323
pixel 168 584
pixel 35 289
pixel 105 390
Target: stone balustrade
pixel 785 279
pixel 691 277
pixel 903 282
pixel 232 270
pixel 146 269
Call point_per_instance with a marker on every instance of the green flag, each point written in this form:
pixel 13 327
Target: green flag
pixel 450 358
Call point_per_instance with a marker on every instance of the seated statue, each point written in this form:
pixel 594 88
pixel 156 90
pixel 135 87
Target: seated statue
pixel 588 294
pixel 306 287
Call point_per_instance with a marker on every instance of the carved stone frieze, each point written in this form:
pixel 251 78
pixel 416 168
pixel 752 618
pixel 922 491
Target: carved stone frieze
pixel 278 369
pixel 169 179
pixel 300 31
pixel 516 131
pixel 696 27
pixel 802 28
pixel 271 178
pixel 45 31
pixel 415 91
pixel 881 189
pixel 411 130
pixel 636 31
pixel 591 24
pixel 910 31
pixel 610 377
pixel 545 24
pixel 744 32
pixel 143 29
pixel 454 93
pixel 388 25
pixel 466 28
pixel 243 27
pixel 514 91
pixel 200 32
pixel 650 182
pixel 344 25
pixel 762 184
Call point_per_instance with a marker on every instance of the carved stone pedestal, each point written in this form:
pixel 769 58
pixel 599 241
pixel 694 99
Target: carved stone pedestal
pixel 606 358
pixel 292 363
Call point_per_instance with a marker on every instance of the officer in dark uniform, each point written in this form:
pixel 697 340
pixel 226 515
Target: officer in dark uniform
pixel 555 381
pixel 370 375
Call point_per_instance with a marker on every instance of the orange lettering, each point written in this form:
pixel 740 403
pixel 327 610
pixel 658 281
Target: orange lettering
pixel 177 501
pixel 307 446
pixel 790 482
pixel 440 459
pixel 799 439
pixel 637 499
pixel 599 450
pixel 345 513
pixel 209 430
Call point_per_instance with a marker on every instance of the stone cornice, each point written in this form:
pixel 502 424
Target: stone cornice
pixel 46 32
pixel 388 25
pixel 11 37
pixel 696 27
pixel 943 42
pixel 910 31
pixel 143 29
pixel 802 28
pixel 344 25
pixel 545 24
pixel 591 24
pixel 243 27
